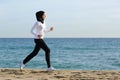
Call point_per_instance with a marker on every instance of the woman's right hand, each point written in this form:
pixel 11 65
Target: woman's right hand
pixel 39 36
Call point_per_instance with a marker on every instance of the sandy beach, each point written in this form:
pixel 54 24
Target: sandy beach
pixel 36 74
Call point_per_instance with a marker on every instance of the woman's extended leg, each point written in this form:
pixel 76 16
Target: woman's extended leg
pixel 34 52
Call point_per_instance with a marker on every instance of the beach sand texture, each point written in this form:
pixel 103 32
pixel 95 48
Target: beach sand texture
pixel 37 74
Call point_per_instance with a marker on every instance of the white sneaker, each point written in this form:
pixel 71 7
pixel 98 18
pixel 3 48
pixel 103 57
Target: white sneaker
pixel 51 69
pixel 22 66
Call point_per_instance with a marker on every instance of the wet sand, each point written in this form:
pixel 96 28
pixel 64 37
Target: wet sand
pixel 39 74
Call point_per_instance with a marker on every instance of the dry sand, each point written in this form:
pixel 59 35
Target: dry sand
pixel 36 74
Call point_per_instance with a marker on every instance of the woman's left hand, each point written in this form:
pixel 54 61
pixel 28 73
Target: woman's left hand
pixel 51 29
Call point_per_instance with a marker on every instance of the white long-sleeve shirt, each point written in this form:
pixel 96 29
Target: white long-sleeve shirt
pixel 39 29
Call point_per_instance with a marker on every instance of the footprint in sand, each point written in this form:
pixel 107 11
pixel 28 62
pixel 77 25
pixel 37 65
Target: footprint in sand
pixel 59 76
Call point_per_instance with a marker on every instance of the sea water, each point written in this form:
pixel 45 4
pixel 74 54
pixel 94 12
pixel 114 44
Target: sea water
pixel 66 53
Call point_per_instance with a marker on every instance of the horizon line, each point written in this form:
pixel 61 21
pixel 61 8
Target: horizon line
pixel 60 37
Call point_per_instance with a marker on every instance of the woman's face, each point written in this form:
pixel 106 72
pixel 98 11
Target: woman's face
pixel 44 16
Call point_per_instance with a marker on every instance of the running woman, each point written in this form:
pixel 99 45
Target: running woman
pixel 38 30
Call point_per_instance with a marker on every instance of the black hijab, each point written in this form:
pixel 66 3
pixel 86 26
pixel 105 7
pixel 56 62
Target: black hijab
pixel 39 15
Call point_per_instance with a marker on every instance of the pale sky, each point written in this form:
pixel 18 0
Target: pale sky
pixel 70 18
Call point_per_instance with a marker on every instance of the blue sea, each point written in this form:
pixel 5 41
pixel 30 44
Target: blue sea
pixel 66 53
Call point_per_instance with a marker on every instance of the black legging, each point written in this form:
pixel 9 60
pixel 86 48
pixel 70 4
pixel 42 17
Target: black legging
pixel 39 43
